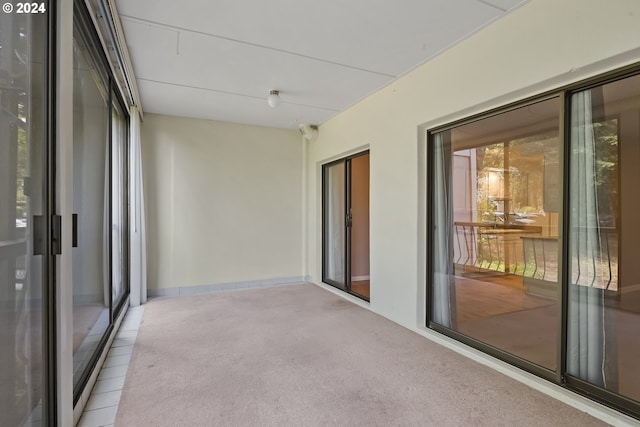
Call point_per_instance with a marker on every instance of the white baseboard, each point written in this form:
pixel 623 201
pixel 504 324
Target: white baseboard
pixel 220 287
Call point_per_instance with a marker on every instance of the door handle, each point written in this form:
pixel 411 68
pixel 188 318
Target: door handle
pixel 74 230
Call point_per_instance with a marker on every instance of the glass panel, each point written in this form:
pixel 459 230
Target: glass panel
pixel 91 205
pixel 359 241
pixel 119 205
pixel 604 290
pixel 496 201
pixel 22 194
pixel 334 224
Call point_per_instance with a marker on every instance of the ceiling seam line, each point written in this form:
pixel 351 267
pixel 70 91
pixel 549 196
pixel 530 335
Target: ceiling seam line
pixel 232 93
pixel 492 5
pixel 176 28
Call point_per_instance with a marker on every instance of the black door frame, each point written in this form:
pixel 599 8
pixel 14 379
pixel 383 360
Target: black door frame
pixel 347 215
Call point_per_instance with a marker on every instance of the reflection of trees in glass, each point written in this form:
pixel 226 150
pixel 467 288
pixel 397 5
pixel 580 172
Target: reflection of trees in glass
pixel 606 174
pixel 489 162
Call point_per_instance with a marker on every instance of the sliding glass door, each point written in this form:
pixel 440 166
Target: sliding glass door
pixel 603 349
pixel 26 284
pixel 100 201
pixel 91 274
pixel 533 237
pixel 345 250
pixel 495 210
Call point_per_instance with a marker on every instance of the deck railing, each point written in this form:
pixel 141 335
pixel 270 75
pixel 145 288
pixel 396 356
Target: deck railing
pixel 525 251
pixel 494 247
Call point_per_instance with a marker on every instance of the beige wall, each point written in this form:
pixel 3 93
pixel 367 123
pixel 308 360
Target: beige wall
pixel 540 46
pixel 223 202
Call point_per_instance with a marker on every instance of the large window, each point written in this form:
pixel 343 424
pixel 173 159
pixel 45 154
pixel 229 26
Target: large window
pixel 100 201
pixel 504 276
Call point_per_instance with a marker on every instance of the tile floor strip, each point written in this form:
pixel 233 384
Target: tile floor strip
pixel 102 407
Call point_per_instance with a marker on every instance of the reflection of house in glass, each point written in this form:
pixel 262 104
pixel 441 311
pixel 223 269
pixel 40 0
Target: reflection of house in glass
pixel 500 218
pixel 506 213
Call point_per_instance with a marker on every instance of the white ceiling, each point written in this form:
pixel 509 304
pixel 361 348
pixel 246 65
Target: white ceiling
pixel 218 59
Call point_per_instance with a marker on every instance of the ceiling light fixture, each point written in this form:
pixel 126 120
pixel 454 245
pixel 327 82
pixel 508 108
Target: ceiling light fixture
pixel 274 98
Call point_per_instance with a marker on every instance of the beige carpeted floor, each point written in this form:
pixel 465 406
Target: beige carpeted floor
pixel 301 356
